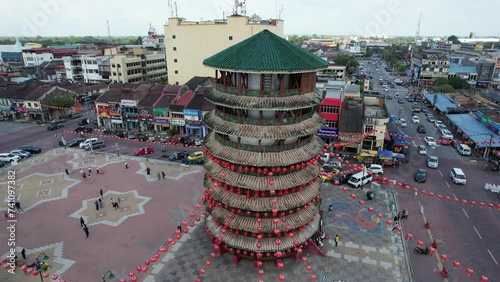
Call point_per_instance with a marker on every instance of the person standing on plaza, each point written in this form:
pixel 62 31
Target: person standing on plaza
pixel 159 175
pixel 163 174
pixel 90 177
pixel 101 205
pixel 82 222
pixel 96 205
pixel 86 230
pixel 84 176
pixel 395 226
pixel 126 165
pixel 405 214
pixel 18 206
pixel 97 170
pixel 67 171
pixel 90 170
pixel 148 171
pixel 179 226
pixel 81 171
pixel 23 253
pixel 102 194
pixel 336 240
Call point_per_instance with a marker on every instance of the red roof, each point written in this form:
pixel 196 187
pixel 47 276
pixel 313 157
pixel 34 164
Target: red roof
pixel 184 100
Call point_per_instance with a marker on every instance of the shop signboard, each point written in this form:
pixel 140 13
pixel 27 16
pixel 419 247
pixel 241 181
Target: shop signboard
pixel 192 114
pixel 103 111
pixel 115 109
pixel 162 121
pixel 128 103
pixel 160 112
pixel 330 132
pixel 178 121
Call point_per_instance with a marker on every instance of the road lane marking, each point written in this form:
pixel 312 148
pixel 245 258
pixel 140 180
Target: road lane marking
pixel 492 256
pixel 478 233
pixel 440 173
pixel 467 217
pixel 454 196
pixel 447 184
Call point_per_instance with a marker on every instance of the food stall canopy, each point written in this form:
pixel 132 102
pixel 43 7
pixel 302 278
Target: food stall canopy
pixel 367 153
pixel 385 155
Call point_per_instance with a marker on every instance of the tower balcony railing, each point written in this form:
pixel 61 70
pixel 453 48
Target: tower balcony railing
pixel 263 121
pixel 263 149
pixel 257 93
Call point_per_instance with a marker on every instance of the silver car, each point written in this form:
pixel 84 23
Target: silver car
pixel 21 153
pixel 433 162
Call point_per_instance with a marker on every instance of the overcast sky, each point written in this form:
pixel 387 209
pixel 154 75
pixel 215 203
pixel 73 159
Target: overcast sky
pixel 356 17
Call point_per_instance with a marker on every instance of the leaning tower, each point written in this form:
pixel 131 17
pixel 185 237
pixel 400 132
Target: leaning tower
pixel 262 186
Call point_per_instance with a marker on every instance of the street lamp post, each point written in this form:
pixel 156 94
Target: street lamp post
pixel 109 274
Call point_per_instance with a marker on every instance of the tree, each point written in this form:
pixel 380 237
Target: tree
pixel 445 88
pixel 64 102
pixel 400 68
pixel 440 81
pixel 346 60
pixel 139 40
pixel 454 39
pixel 458 83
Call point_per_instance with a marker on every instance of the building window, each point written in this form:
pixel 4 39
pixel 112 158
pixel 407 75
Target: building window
pixel 35 105
pixel 29 105
pixel 173 36
pixel 330 109
pixel 230 37
pixel 368 128
pixel 175 48
pixel 331 123
pixel 176 72
pixel 175 60
pixel 177 83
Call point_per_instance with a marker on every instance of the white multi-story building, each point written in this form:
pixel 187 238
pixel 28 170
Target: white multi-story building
pixel 33 59
pixel 138 66
pixel 84 67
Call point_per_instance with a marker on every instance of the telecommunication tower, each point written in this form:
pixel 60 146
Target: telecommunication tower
pixel 240 8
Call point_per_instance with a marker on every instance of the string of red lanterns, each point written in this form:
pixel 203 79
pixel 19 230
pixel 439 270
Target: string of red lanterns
pixel 68 108
pixel 420 243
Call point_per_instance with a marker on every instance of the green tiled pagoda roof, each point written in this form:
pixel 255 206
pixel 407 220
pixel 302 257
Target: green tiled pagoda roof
pixel 266 52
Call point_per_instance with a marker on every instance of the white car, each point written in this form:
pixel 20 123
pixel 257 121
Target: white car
pixel 415 119
pixel 21 153
pixel 446 132
pixel 375 169
pixel 8 157
pixel 422 150
pixel 437 123
pixel 402 122
pixel 433 162
pixel 430 141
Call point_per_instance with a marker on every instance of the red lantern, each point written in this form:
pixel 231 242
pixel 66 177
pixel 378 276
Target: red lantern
pixel 370 209
pixel 379 215
pixel 202 271
pixel 281 277
pixel 444 257
pixel 469 271
pixel 277 242
pixel 483 278
pixel 388 222
pixel 314 277
pixel 344 189
pixel 361 202
pixel 353 196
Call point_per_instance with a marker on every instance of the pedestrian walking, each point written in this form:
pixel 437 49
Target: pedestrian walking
pixel 81 171
pixel 101 205
pixel 330 208
pixel 84 176
pixel 67 171
pixel 6 214
pixel 90 170
pixel 118 199
pixel 159 175
pixel 86 230
pixel 148 171
pixel 18 206
pixel 97 170
pixel 179 226
pixel 163 174
pixel 82 222
pixel 126 165
pixel 102 171
pixel 90 177
pixel 96 205
pixel 336 240
pixel 405 214
pixel 102 193
pixel 23 253
pixel 396 218
pixel 163 149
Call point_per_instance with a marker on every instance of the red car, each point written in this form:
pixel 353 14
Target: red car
pixel 144 151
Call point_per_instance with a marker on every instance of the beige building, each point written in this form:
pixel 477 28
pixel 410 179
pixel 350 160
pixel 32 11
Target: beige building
pixel 138 66
pixel 188 43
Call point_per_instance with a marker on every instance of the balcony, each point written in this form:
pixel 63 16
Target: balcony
pixel 262 149
pixel 257 93
pixel 263 122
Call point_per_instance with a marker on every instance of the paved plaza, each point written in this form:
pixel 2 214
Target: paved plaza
pixel 149 209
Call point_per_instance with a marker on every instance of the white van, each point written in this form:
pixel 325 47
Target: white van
pixel 87 142
pixel 359 179
pixel 458 176
pixel 464 150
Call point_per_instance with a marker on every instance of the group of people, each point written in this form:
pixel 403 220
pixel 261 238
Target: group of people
pixel 89 175
pixel 160 174
pixel 401 215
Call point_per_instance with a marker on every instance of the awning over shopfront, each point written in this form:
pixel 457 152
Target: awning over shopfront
pixel 385 155
pixel 475 130
pixel 443 104
pixel 367 153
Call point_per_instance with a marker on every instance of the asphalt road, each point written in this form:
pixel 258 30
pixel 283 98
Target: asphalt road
pixel 13 134
pixel 464 233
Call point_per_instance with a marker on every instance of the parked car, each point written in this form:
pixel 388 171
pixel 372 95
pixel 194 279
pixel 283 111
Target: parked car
pixel 431 119
pixel 174 139
pixel 430 141
pixel 421 129
pixel 401 101
pixel 141 137
pixel 83 129
pixel 54 126
pixel 75 142
pixel 186 141
pixel 421 176
pixel 415 119
pixel 437 123
pixel 130 135
pixel 164 138
pixel 422 150
pixel 83 121
pixel 200 161
pixel 342 179
pixel 8 157
pixel 375 168
pixel 74 115
pixel 196 155
pixel 30 148
pixel 175 156
pixel 58 120
pixel 458 176
pixel 151 137
pixel 402 122
pixel 2 163
pixel 198 142
pixel 446 132
pixel 21 153
pixel 332 163
pixel 146 150
pixel 433 162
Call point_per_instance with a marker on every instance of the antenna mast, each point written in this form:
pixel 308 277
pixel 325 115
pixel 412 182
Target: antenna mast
pixel 280 12
pixel 176 14
pixel 171 7
pixel 417 35
pixel 109 32
pixel 242 11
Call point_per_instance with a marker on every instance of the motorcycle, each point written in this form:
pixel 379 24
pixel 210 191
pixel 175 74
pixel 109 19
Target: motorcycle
pixel 422 251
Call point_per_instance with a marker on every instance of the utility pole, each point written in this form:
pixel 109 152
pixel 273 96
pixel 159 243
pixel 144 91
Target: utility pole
pixel 487 149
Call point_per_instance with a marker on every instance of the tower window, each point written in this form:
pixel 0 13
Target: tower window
pixel 230 37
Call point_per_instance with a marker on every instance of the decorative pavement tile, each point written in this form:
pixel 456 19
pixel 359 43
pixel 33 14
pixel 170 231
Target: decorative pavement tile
pixel 172 171
pixel 108 215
